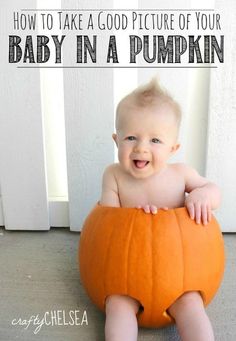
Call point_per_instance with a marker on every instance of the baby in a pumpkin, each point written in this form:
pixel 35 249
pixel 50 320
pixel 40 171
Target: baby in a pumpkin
pixel 147 124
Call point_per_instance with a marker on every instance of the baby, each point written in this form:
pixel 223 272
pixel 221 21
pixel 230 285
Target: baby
pixel 147 124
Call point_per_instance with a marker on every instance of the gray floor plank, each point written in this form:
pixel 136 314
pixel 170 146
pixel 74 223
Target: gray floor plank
pixel 39 274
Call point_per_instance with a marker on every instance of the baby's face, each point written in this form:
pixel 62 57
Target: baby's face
pixel 146 138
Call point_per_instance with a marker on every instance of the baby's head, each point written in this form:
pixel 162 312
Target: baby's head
pixel 147 124
pixel 149 97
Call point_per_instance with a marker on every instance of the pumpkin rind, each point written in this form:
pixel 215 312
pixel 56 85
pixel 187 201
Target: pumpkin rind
pixel 152 258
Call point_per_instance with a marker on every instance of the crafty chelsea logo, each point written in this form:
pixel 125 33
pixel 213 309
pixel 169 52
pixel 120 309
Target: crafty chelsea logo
pixel 52 318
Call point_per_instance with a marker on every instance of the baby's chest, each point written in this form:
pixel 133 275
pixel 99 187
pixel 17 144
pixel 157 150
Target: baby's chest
pixel 169 192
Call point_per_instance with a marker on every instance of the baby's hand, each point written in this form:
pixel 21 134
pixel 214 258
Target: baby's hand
pixel 151 208
pixel 198 206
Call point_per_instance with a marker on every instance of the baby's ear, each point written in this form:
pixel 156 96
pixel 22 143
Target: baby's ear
pixel 114 136
pixel 175 147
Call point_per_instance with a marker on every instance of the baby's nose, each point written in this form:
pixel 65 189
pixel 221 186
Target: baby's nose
pixel 141 148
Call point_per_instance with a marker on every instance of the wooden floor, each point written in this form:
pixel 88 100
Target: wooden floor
pixel 39 277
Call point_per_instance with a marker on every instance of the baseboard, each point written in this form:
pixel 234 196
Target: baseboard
pixel 1 213
pixel 59 212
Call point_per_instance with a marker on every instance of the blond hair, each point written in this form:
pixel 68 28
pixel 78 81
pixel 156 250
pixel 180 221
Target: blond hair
pixel 150 95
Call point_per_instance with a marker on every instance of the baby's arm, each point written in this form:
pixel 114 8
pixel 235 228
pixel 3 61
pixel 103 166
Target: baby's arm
pixel 109 195
pixel 203 197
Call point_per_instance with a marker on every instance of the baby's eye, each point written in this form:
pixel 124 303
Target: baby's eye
pixel 131 138
pixel 155 140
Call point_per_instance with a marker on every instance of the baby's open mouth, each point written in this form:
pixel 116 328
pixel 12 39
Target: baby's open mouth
pixel 141 163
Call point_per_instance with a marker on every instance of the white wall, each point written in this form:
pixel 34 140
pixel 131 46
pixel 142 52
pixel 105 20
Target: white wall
pixel 22 159
pixel 197 119
pixel 33 169
pixel 89 125
pixel 221 155
pixel 52 101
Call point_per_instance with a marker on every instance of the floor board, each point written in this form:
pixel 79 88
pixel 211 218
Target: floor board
pixel 38 275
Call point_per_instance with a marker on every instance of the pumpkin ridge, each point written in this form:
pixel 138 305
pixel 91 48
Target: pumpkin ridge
pixel 151 291
pixel 90 237
pixel 182 243
pixel 102 216
pixel 131 231
pixel 106 262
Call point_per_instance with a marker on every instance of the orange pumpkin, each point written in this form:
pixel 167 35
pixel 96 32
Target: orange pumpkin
pixel 152 258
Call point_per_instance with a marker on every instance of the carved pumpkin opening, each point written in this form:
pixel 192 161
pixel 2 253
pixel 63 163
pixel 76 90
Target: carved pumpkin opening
pixel 168 316
pixel 141 308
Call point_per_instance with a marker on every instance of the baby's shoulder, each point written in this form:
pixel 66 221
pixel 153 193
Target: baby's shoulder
pixel 181 168
pixel 112 169
pixel 112 172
